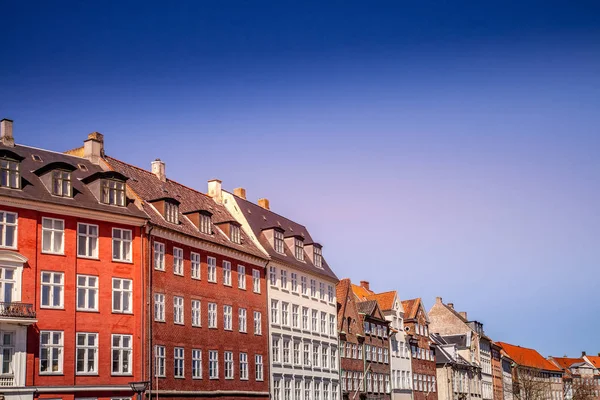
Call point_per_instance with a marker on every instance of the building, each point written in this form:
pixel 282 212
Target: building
pixel 457 378
pixel 507 379
pixel 533 376
pixel 445 320
pixel 301 298
pixel 416 325
pixel 581 379
pixel 497 376
pixel 400 362
pixel 71 269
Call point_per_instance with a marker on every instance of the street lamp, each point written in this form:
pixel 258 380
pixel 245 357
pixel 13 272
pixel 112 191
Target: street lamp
pixel 139 388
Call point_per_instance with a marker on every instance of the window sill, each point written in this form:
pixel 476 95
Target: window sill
pixel 179 323
pixel 86 310
pixel 116 374
pixel 122 261
pixel 87 374
pixel 122 312
pixel 196 279
pixel 49 253
pixel 52 308
pixel 161 270
pixel 96 258
pixel 51 373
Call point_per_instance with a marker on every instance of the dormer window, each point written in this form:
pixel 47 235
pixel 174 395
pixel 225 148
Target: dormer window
pixel 171 212
pixel 113 192
pixel 234 232
pixel 299 249
pixel 278 241
pixel 61 183
pixel 10 177
pixel 318 254
pixel 205 223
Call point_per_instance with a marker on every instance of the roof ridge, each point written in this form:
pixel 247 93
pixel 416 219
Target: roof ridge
pixel 50 151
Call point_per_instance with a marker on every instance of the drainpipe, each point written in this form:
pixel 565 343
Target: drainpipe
pixel 149 227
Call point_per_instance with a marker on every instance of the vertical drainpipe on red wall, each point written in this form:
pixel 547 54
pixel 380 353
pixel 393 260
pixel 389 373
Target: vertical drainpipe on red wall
pixel 148 305
pixel 35 280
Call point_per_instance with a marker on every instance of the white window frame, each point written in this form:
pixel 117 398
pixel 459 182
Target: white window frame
pixel 123 244
pixel 179 362
pixel 5 227
pixel 160 361
pixel 196 364
pixel 243 320
pixel 122 350
pixel 50 347
pixel 255 281
pixel 159 307
pixel 178 261
pixel 212 316
pixel 257 323
pixel 51 285
pixel 159 256
pixel 195 266
pixel 87 288
pixel 213 364
pixel 122 293
pixel 228 364
pixel 259 373
pixel 211 265
pixel 226 273
pixel 53 233
pixel 88 237
pixel 178 310
pixel 241 272
pixel 196 312
pixel 88 351
pixel 227 317
pixel 243 366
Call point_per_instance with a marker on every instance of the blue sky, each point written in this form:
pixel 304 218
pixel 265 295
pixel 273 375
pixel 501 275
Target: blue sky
pixel 440 149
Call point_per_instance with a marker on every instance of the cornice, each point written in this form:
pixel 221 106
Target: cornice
pixel 212 393
pixel 281 264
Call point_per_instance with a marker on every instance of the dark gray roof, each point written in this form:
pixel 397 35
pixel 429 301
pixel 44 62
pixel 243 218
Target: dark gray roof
pixel 366 307
pixel 459 340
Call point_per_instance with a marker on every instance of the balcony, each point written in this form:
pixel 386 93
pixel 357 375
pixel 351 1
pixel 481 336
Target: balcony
pixel 19 312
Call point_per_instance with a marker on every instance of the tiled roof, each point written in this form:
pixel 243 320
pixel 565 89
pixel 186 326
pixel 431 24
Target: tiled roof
pixel 32 187
pixel 366 307
pixel 567 362
pixel 385 299
pixel 411 307
pixel 595 360
pixel 361 292
pixel 148 187
pixel 260 219
pixel 528 357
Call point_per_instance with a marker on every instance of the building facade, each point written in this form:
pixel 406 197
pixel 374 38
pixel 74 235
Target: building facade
pixel 581 379
pixel 497 372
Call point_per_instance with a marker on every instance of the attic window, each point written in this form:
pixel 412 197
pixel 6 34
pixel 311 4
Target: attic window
pixel 82 167
pixel 171 212
pixel 10 177
pixel 113 192
pixel 299 249
pixel 61 183
pixel 234 232
pixel 318 254
pixel 35 157
pixel 278 241
pixel 205 223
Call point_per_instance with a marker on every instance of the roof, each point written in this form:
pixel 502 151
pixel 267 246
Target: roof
pixel 260 219
pixel 567 362
pixel 366 307
pixel 528 357
pixel 385 299
pixel 411 307
pixel 32 187
pixel 361 292
pixel 460 340
pixel 148 187
pixel 595 360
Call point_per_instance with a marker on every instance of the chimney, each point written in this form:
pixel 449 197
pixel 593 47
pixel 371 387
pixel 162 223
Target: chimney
pixel 264 203
pixel 365 284
pixel 93 147
pixel 159 169
pixel 6 135
pixel 463 314
pixel 438 300
pixel 214 190
pixel 240 192
pixel 583 354
pixel 451 305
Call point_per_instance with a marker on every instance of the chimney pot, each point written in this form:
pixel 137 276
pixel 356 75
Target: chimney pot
pixel 264 203
pixel 451 305
pixel 365 284
pixel 93 147
pixel 6 132
pixel 438 300
pixel 240 192
pixel 159 169
pixel 215 190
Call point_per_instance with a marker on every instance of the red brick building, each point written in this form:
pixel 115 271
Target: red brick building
pixel 416 324
pixel 70 276
pixel 497 377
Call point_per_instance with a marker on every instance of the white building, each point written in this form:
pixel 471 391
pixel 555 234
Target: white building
pixel 301 295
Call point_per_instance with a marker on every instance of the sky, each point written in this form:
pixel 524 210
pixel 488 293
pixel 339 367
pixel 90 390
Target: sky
pixel 442 148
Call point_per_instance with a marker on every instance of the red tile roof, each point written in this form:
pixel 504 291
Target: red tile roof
pixel 385 299
pixel 595 360
pixel 566 362
pixel 411 307
pixel 361 292
pixel 528 357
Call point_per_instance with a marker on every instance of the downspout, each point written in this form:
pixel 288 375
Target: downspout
pixel 142 257
pixel 150 244
pixel 268 314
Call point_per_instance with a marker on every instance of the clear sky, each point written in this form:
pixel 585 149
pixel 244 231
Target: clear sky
pixel 439 148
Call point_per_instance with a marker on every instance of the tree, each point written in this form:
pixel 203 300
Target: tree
pixel 530 384
pixel 583 389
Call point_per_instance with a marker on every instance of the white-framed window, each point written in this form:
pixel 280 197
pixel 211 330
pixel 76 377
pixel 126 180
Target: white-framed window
pixel 226 273
pixel 386 356
pixel 159 256
pixel 53 235
pixel 241 270
pixel 8 229
pixel 286 351
pixel 159 307
pixel 51 352
pixel 235 234
pixel 244 366
pixel 227 318
pixel 330 293
pixel 276 388
pixel 121 244
pixel 228 357
pixel 296 355
pixel 323 322
pixel 196 313
pixel 159 361
pixel 321 291
pixel 10 177
pixel 298 389
pixel 179 362
pixel 121 354
pixel 283 280
pixel 178 317
pixel 318 256
pixel 334 391
pixel 195 265
pixel 273 276
pixel 332 330
pixel 211 264
pixel 113 192
pixel 317 390
pixel 306 354
pixel 325 357
pixel 304 285
pixel 171 212
pixel 278 242
pixel 325 391
pixel 256 281
pixel 307 390
pixel 313 288
pixel 122 295
pixel 275 348
pixel 285 313
pixel 314 325
pixel 257 323
pixel 196 364
pixel 316 351
pixel 299 249
pixel 295 315
pixel 242 319
pixel 274 311
pixel 87 240
pixel 334 357
pixel 212 315
pixel 213 364
pixel 61 183
pixel 177 261
pixel 287 389
pixel 258 367
pixel 205 224
pixel 87 293
pixel 294 282
pixel 86 353
pixel 305 318
pixel 52 288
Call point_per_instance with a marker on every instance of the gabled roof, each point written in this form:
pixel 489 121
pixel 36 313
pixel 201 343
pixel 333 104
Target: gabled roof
pixel 361 292
pixel 567 362
pixel 385 299
pixel 528 357
pixel 411 308
pixel 367 307
pixel 595 360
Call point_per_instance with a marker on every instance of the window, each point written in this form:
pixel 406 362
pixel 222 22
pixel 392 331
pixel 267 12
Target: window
pixel 52 287
pixel 299 249
pixel 241 277
pixel 305 318
pixel 360 352
pixel 113 192
pixel 321 291
pixel 325 391
pixel 284 314
pixel 330 294
pixel 121 354
pixel 313 288
pixel 306 354
pixel 178 310
pixel 296 353
pixel 334 391
pixel 51 352
pixel 196 364
pixel 242 320
pixel 9 174
pixel 53 233
pixel 159 307
pixel 8 229
pixel 274 312
pixel 122 295
pixel 87 240
pixel 244 366
pixel 380 354
pixel 256 281
pixel 283 282
pixel 273 276
pixel 257 323
pixel 205 223
pixel 196 314
pixel 287 390
pixel 212 269
pixel 121 243
pixel 325 357
pixel 228 365
pixel 386 356
pixel 275 349
pixel 213 364
pixel 234 231
pixel 286 351
pixel 179 362
pixel 323 322
pixel 318 256
pixel 61 183
pixel 277 389
pixel 334 358
pixel 227 318
pixel 297 389
pixel 87 350
pixel 317 390
pixel 226 273
pixel 258 367
pixel 87 293
pixel 195 265
pixel 212 315
pixel 307 389
pixel 315 355
pixel 295 315
pixel 368 352
pixel 314 321
pixel 159 360
pixel 278 241
pixel 331 324
pixel 171 212
pixel 294 282
pixel 303 284
pixel 159 256
pixel 177 261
